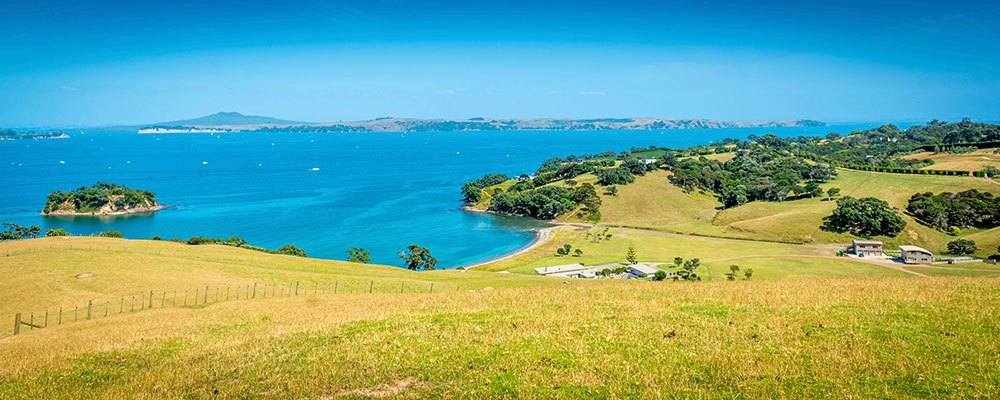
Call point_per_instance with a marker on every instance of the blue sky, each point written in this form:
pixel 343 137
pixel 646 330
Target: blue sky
pixel 109 62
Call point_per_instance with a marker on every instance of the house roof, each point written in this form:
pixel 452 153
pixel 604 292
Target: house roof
pixel 914 248
pixel 559 269
pixel 644 268
pixel 872 242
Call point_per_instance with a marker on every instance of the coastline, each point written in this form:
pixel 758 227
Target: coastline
pixel 541 236
pixel 149 210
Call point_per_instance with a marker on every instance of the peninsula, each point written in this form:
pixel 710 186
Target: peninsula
pixel 236 122
pixel 10 134
pixel 101 199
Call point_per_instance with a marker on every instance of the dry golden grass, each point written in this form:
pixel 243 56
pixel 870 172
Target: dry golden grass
pixel 883 338
pixel 40 274
pixel 972 161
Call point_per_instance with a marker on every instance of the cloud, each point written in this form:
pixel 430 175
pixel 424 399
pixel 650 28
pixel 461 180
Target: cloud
pixel 593 93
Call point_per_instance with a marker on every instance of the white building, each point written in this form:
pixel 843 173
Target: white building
pixel 560 270
pixel 642 270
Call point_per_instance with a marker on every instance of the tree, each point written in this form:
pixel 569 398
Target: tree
pixel 14 231
pixel 577 253
pixel 110 234
pixel 57 232
pixel 358 255
pixel 833 192
pixel 962 247
pixel 612 190
pixel 688 273
pixel 570 183
pixel 659 276
pixel 614 176
pixel 630 254
pixel 291 250
pixel 747 273
pixel 418 258
pixel 734 271
pixel 865 217
pixel 678 261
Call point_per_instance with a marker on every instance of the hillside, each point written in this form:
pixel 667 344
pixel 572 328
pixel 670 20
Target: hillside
pixel 228 119
pixel 520 337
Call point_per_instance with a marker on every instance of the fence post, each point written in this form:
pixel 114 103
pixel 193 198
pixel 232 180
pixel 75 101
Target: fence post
pixel 131 308
pixel 185 297
pixel 336 285
pixel 107 303
pixel 46 318
pixel 296 288
pixel 76 310
pixel 401 287
pixel 90 308
pixel 371 285
pixel 432 287
pixel 237 292
pixel 142 301
pixel 31 322
pixel 150 299
pixel 227 293
pixel 206 295
pixel 121 307
pixel 254 296
pixel 17 323
pixel 60 315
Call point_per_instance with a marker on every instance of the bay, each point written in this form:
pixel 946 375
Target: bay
pixel 322 192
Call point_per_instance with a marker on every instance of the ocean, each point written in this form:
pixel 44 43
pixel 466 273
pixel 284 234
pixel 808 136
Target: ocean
pixel 322 192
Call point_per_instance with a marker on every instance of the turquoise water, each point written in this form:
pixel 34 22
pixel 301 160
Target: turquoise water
pixel 381 191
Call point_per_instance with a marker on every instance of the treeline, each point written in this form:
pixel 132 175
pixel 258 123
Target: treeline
pixel 759 173
pixel 948 211
pixel 89 199
pixel 472 191
pixel 234 241
pixel 548 202
pixel 12 134
pixel 338 128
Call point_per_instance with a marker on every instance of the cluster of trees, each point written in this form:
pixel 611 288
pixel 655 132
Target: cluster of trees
pixel 947 211
pixel 12 231
pixel 864 217
pixel 473 190
pixel 548 202
pixel 89 199
pixel 567 249
pixel 962 247
pixel 759 173
pixel 688 268
pixel 734 273
pixel 235 241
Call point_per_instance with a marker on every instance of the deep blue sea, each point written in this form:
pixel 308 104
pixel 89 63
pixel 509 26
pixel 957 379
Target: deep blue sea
pixel 380 191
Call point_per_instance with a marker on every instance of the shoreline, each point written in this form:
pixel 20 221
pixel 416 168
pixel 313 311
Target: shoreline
pixel 541 236
pixel 152 210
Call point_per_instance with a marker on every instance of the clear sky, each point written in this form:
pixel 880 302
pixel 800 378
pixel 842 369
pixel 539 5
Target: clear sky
pixel 109 62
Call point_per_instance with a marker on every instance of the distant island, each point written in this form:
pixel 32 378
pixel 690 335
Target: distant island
pixel 10 134
pixel 101 199
pixel 236 122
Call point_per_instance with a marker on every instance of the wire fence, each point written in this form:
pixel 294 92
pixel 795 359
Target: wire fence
pixel 205 295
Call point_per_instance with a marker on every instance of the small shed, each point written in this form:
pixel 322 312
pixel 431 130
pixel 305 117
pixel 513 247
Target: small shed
pixel 867 248
pixel 560 269
pixel 916 255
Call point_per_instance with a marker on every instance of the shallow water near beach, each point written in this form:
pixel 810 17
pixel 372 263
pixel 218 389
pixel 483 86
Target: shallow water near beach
pixel 321 192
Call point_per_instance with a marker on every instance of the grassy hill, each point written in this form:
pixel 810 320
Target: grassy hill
pixel 507 335
pixel 654 203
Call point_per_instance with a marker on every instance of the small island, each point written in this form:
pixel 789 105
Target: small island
pixel 102 199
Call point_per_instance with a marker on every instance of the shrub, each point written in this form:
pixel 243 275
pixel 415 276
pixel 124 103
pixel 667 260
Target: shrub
pixel 962 247
pixel 865 217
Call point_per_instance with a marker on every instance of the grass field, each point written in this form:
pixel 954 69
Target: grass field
pixel 972 161
pixel 41 274
pixel 870 338
pixel 653 203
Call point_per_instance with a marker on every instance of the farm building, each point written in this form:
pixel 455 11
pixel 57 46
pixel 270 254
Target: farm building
pixel 916 255
pixel 867 248
pixel 642 270
pixel 560 270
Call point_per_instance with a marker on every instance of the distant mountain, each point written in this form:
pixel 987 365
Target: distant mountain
pixel 229 119
pixel 236 122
